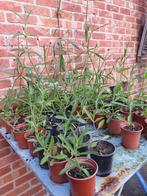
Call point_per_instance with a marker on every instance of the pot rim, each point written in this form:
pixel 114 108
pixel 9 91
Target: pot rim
pixel 138 115
pixel 87 178
pixel 106 155
pixel 113 119
pixel 133 132
pixel 19 132
pixel 27 132
pixel 57 162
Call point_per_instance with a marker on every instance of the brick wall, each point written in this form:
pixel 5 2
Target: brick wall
pixel 124 18
pixel 15 178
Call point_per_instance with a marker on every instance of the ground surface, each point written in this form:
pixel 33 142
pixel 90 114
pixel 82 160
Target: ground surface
pixel 133 188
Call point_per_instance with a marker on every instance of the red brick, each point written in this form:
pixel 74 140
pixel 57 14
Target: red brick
pixel 40 11
pixel 2 19
pixel 50 3
pixel 100 4
pixel 24 178
pixel 125 11
pixel 17 164
pixel 119 2
pixel 17 191
pixel 13 175
pixel 71 7
pixel 5 152
pixel 33 190
pixel 5 84
pixel 27 1
pixel 3 143
pixel 9 159
pixel 41 193
pixel 10 6
pixel 34 31
pixel 112 8
pixel 34 181
pixel 4 63
pixel 118 16
pixel 4 189
pixel 98 36
pixel 4 52
pixel 9 29
pixel 5 170
pixel 48 22
pixel 13 18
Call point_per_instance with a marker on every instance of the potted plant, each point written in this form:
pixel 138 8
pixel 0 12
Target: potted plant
pixel 114 124
pixel 81 172
pixel 114 116
pixel 131 131
pixel 54 155
pixel 70 144
pixel 19 132
pixel 41 142
pixel 103 156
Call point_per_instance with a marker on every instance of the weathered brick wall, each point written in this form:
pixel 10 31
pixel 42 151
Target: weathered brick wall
pixel 15 178
pixel 125 18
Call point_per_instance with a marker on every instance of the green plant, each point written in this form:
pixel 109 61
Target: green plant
pixel 127 97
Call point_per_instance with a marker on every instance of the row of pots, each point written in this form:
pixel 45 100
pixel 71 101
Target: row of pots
pixel 130 139
pixel 101 165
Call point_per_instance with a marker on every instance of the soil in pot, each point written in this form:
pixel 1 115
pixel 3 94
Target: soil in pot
pixel 131 135
pixel 76 173
pixel 103 157
pixel 29 135
pixel 55 170
pixel 114 126
pixel 81 185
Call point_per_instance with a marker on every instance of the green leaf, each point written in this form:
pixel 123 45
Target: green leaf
pixel 60 117
pixel 61 63
pixel 88 114
pixel 82 121
pixel 101 123
pixel 85 172
pixel 52 162
pixel 44 160
pixel 38 149
pixel 65 169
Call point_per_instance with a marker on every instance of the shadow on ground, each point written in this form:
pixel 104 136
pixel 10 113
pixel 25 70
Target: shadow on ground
pixel 133 188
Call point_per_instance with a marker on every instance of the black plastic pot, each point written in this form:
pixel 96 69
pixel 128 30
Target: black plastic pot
pixel 40 156
pixel 104 161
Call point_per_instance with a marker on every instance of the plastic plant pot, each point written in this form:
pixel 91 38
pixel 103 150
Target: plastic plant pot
pixel 141 120
pixel 104 157
pixel 31 145
pixel 114 127
pixel 83 186
pixel 131 139
pixel 55 170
